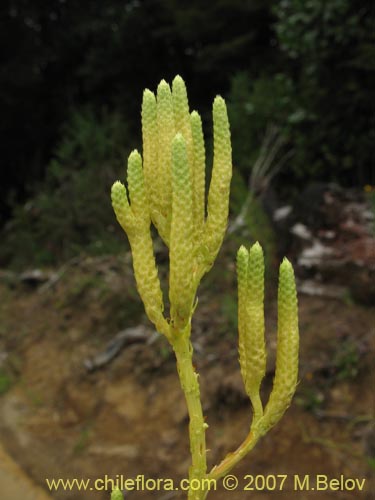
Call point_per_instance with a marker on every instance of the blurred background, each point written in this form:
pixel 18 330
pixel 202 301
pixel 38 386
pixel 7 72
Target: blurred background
pixel 81 395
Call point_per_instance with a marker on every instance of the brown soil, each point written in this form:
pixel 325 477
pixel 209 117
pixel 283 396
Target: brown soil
pixel 15 484
pixel 59 421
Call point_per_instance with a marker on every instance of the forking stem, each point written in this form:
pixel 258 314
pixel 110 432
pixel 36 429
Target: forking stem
pixel 197 426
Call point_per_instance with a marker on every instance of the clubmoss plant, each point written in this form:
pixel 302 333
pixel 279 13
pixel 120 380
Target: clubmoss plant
pixel 167 189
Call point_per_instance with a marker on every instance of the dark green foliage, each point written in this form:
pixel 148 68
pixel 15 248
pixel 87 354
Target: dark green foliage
pixel 330 54
pixel 256 225
pixel 59 55
pixel 71 210
pixel 346 360
pixel 370 195
pixel 238 193
pixel 305 67
pixel 5 381
pixel 319 95
pixel 253 105
pixel 260 229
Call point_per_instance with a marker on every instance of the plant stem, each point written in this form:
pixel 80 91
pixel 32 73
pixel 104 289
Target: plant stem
pixel 233 458
pixel 197 427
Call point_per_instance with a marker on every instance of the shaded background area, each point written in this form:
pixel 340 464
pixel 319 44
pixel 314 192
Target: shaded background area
pixel 71 83
pixel 298 77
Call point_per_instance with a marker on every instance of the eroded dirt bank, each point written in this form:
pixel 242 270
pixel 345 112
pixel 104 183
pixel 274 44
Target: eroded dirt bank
pixel 58 420
pixel 14 483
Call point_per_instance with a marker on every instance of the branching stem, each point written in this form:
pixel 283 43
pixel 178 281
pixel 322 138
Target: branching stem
pixel 233 458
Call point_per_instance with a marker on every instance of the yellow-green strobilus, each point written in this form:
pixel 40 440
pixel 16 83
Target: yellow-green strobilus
pixel 166 188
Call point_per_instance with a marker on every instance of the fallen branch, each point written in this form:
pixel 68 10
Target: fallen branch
pixel 56 276
pixel 134 335
pixel 263 171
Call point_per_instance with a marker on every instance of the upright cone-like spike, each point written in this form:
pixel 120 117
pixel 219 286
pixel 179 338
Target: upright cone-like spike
pixel 218 195
pixel 198 179
pixel 181 114
pixel 286 373
pixel 166 133
pixel 251 322
pixel 121 206
pixel 146 276
pixel 136 185
pixel 181 240
pixel 153 178
pixel 256 349
pixel 135 220
pixel 242 267
pixel 117 495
